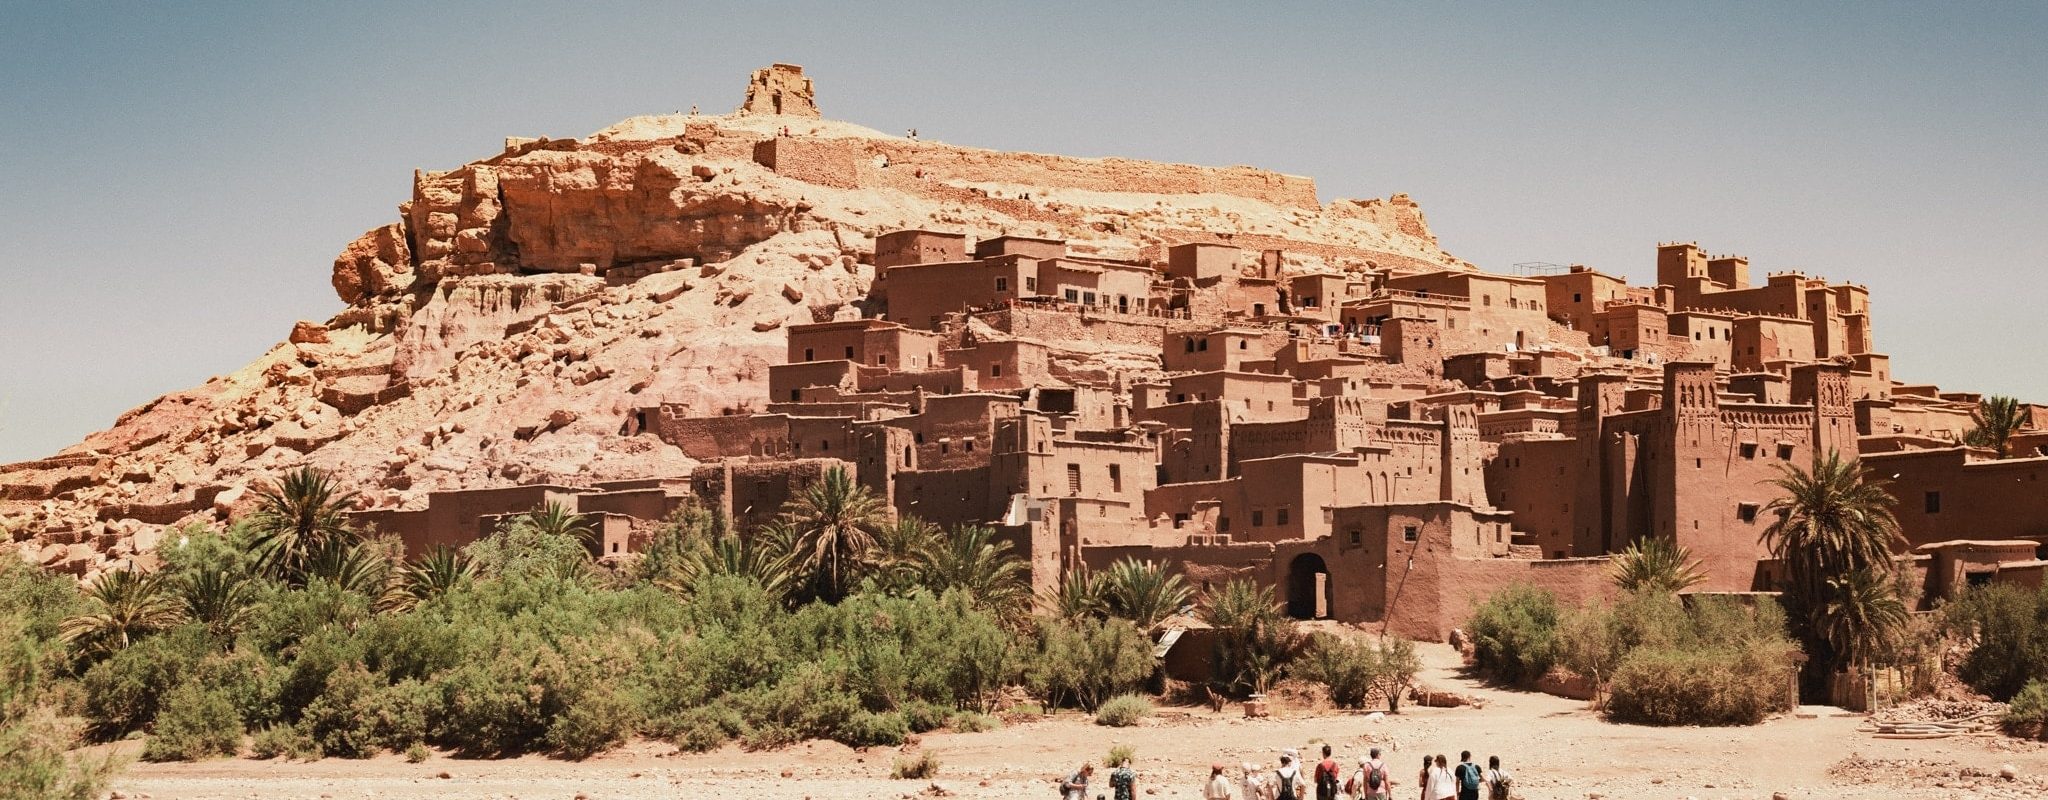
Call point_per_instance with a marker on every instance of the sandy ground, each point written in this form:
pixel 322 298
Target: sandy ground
pixel 1557 748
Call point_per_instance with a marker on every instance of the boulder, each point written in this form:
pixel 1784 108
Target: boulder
pixel 379 262
pixel 304 332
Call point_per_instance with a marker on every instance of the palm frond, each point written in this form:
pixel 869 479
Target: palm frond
pixel 300 514
pixel 125 606
pixel 1656 565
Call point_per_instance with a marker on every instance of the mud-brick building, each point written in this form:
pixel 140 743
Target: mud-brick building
pixel 1380 446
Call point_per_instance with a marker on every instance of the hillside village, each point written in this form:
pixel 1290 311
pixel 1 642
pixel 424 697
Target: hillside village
pixel 1310 395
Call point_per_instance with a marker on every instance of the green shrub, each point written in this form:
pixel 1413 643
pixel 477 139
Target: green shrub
pixel 1346 668
pixel 416 753
pixel 700 730
pixel 123 693
pixel 1084 662
pixel 1514 634
pixel 335 719
pixel 973 722
pixel 359 715
pixel 594 720
pixel 1119 754
pixel 1356 670
pixel 925 716
pixel 283 741
pixel 923 766
pixel 1123 711
pixel 870 729
pixel 2010 630
pixel 494 704
pixel 34 741
pixel 195 723
pixel 2027 715
pixel 38 601
pixel 1721 686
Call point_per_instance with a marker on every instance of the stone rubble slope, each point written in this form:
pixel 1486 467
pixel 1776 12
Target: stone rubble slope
pixel 504 329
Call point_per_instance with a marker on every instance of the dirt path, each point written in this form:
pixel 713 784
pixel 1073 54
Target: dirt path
pixel 1557 748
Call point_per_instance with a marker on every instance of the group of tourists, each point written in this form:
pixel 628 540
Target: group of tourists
pixel 1371 780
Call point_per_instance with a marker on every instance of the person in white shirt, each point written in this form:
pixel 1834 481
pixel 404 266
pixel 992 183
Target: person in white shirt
pixel 1499 784
pixel 1254 781
pixel 1441 785
pixel 1218 787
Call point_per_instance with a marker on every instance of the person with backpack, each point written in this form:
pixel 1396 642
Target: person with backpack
pixel 1469 777
pixel 1123 782
pixel 1326 776
pixel 1370 782
pixel 1075 787
pixel 1499 784
pixel 1287 779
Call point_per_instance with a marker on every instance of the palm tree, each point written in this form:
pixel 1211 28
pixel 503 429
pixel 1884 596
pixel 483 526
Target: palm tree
pixel 1832 521
pixel 1254 637
pixel 763 558
pixel 1238 604
pixel 127 605
pixel 834 522
pixel 1997 417
pixel 218 598
pixel 299 515
pixel 360 567
pixel 1864 615
pixel 1080 594
pixel 1656 565
pixel 440 571
pixel 1143 592
pixel 975 563
pixel 901 548
pixel 555 519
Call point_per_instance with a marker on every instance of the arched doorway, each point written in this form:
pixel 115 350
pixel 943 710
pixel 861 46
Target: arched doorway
pixel 1308 587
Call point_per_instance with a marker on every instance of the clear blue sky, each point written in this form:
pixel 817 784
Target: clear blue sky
pixel 179 176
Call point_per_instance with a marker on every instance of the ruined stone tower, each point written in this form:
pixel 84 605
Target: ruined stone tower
pixel 780 89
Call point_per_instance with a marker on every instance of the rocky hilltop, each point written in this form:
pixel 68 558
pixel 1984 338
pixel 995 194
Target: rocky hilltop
pixel 504 327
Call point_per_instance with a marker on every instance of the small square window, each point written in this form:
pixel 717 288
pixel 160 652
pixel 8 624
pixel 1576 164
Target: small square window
pixel 1280 516
pixel 1002 284
pixel 1258 519
pixel 1746 511
pixel 1784 451
pixel 808 355
pixel 1357 537
pixel 1933 501
pixel 1410 533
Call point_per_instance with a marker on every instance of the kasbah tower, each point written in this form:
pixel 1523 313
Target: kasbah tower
pixel 1099 358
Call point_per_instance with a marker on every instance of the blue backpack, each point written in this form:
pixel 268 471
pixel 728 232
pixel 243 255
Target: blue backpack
pixel 1468 779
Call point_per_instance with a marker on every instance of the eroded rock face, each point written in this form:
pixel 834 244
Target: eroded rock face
pixel 522 308
pixel 377 263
